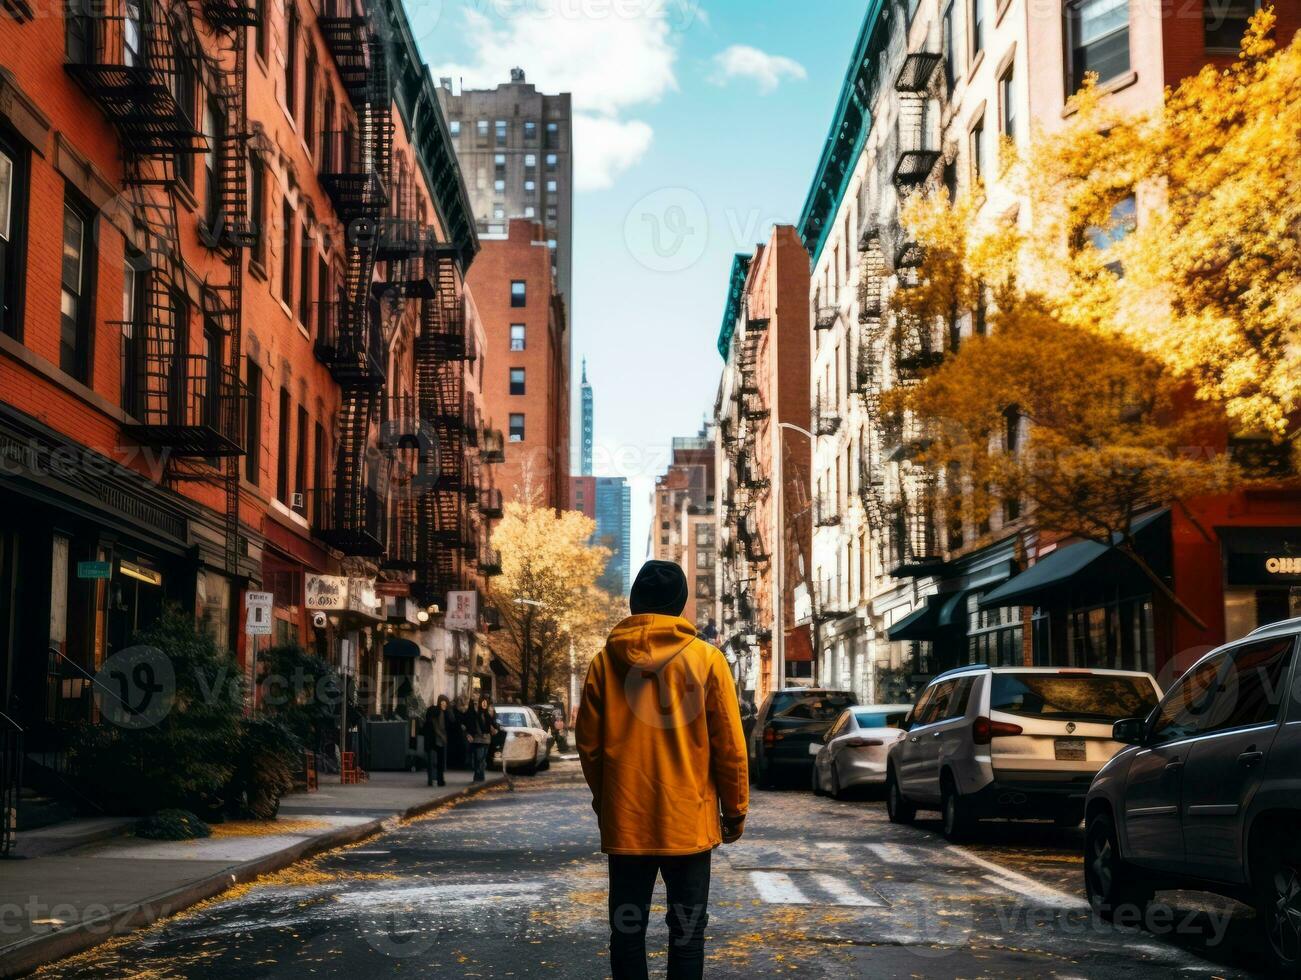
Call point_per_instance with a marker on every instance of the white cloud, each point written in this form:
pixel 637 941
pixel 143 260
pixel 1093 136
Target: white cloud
pixel 609 55
pixel 605 147
pixel 741 61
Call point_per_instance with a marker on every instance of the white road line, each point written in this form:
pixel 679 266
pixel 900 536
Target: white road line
pixel 842 891
pixel 776 888
pixel 1019 883
pixel 891 853
pixel 836 851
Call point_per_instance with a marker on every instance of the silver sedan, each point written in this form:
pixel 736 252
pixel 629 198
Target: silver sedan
pixel 853 752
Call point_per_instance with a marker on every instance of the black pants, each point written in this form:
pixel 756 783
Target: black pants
pixel 632 880
pixel 437 763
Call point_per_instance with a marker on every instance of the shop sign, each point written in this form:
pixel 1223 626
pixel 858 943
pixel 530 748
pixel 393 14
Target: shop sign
pixel 93 569
pixel 326 592
pixel 385 587
pixel 1263 569
pixel 1282 565
pixel 462 611
pixel 362 598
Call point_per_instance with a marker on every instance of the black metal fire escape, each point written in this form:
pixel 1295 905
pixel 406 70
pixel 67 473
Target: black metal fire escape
pixel 353 514
pixel 189 402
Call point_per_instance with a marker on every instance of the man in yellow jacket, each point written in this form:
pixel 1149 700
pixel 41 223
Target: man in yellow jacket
pixel 659 736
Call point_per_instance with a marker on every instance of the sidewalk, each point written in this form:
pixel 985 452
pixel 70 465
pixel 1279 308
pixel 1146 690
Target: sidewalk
pixel 56 904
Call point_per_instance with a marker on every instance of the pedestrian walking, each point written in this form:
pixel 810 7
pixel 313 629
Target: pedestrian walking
pixel 437 718
pixel 479 729
pixel 659 737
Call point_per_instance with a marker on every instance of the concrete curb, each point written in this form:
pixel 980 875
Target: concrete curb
pixel 23 957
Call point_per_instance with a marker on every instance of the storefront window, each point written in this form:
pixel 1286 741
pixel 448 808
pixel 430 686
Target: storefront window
pixel 1117 635
pixel 213 599
pixel 995 636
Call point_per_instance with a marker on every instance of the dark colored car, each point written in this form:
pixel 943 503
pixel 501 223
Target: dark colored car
pixel 1207 793
pixel 788 722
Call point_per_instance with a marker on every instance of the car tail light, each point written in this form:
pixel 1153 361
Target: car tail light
pixel 769 737
pixel 984 729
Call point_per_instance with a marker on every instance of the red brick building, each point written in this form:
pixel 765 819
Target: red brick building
pixel 238 352
pixel 526 389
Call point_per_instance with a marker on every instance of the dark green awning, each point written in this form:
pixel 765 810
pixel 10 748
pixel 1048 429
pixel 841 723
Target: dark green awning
pixel 1055 571
pixel 939 613
pixel 400 648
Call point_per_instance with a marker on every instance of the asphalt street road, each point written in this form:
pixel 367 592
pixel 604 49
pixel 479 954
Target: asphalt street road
pixel 512 884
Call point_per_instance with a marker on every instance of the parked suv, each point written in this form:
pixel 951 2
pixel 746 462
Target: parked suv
pixel 1010 742
pixel 788 722
pixel 1207 795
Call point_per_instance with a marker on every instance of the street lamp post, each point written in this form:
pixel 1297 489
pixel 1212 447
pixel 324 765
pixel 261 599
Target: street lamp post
pixel 779 606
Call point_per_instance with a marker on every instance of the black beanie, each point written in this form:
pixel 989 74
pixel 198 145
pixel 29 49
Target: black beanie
pixel 660 587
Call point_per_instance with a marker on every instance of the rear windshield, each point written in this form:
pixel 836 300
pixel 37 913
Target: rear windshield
pixel 879 719
pixel 1083 697
pixel 811 707
pixel 512 719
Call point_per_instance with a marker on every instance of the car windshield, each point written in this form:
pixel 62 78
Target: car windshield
pixel 879 719
pixel 811 707
pixel 1083 697
pixel 513 719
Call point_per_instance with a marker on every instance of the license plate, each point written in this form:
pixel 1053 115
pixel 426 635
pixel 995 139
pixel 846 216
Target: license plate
pixel 1069 749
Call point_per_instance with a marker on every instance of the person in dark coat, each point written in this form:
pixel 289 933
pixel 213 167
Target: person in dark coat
pixel 435 732
pixel 479 729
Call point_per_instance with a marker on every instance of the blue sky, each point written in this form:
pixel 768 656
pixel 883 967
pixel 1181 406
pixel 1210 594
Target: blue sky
pixel 698 126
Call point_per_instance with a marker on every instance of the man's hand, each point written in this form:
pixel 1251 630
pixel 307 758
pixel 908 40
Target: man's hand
pixel 733 828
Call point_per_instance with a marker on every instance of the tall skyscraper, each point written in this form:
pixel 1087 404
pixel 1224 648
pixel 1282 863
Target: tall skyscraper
pixel 514 146
pixel 586 468
pixel 608 501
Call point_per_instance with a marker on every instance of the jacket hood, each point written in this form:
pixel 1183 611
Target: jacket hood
pixel 649 640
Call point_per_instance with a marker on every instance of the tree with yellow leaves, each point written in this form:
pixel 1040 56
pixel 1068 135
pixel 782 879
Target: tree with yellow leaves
pixel 547 594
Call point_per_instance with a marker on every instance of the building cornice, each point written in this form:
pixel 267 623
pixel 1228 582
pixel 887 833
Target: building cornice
pixel 735 297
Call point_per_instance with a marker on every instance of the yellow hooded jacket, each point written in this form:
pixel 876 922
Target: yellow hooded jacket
pixel 659 736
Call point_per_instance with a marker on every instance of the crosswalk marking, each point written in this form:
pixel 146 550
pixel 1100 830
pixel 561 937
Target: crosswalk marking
pixel 1019 884
pixel 776 888
pixel 891 853
pixel 840 890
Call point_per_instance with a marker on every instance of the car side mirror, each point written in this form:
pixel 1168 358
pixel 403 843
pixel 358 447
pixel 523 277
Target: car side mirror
pixel 1128 731
pixel 815 748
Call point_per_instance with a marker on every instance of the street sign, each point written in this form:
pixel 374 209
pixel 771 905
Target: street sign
pixel 93 569
pixel 257 620
pixel 462 611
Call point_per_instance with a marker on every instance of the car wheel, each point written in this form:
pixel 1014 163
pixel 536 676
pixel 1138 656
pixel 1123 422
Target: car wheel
pixel 898 806
pixel 1109 881
pixel 955 808
pixel 1278 908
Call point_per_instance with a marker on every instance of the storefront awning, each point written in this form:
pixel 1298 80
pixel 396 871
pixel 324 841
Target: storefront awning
pixel 1056 570
pixel 401 649
pixel 938 614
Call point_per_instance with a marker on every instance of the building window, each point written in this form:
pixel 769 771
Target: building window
pixel 551 186
pixel 253 426
pixel 499 185
pixel 517 427
pixel 319 455
pixel 1099 39
pixel 552 160
pixel 501 132
pixel 291 62
pixel 499 212
pixel 261 31
pixel 287 254
pixel 530 211
pixel 309 100
pixel 517 381
pixel 553 135
pixel 455 127
pixel 499 165
pixel 518 293
pixel 978 150
pixel 257 210
pixel 517 336
pixel 13 198
pixel 530 161
pixel 483 128
pixel 305 277
pixel 530 186
pixel 530 130
pixel 78 288
pixel 282 448
pixel 185 89
pixel 977 27
pixel 950 51
pixel 300 453
pixel 212 126
pixel 1007 104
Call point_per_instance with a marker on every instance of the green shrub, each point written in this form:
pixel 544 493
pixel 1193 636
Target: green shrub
pixel 269 755
pixel 172 825
pixel 185 760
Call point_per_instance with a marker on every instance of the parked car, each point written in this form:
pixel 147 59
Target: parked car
pixel 1207 793
pixel 854 749
pixel 528 744
pixel 788 722
pixel 1019 742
